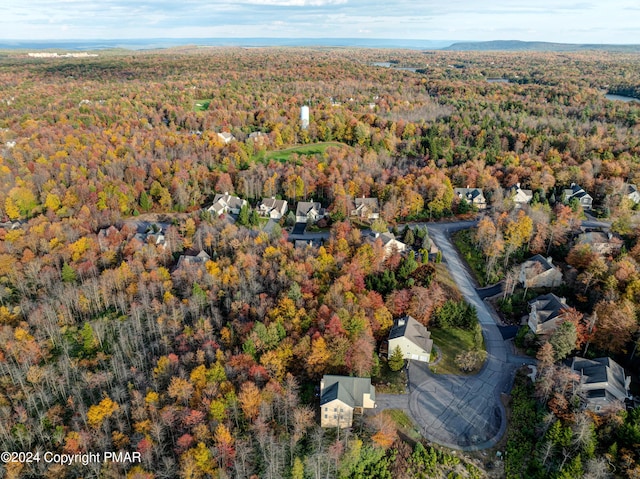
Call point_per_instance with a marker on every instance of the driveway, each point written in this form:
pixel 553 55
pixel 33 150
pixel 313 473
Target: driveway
pixel 463 412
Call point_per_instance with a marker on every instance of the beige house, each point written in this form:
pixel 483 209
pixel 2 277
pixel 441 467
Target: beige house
pixel 226 203
pixel 539 272
pixel 601 382
pixel 632 193
pixel 473 196
pixel 546 313
pixel 519 196
pixel 366 208
pixel 413 339
pixel 390 243
pixel 343 396
pixel 600 242
pixel 198 260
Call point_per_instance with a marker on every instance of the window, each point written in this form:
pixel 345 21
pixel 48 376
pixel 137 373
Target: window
pixel 326 415
pixel 335 409
pixel 326 409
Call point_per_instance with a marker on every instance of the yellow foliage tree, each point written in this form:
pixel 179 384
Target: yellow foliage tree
pixel 99 412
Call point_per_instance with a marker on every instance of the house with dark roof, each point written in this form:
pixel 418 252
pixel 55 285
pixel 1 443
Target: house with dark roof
pixel 413 339
pixel 226 203
pixel 601 382
pixel 366 208
pixel 546 313
pixel 473 196
pixel 539 272
pixel 272 208
pixel 309 212
pixel 632 193
pixel 577 192
pixel 342 396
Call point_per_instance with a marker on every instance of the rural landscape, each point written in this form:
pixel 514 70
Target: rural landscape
pixel 318 262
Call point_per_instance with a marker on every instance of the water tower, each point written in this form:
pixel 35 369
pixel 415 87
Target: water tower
pixel 304 117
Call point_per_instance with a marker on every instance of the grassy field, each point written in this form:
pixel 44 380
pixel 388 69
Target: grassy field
pixel 312 149
pixel 201 105
pixel 450 343
pixel 474 258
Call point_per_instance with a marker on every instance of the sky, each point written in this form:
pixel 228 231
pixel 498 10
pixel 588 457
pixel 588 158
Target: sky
pixel 612 21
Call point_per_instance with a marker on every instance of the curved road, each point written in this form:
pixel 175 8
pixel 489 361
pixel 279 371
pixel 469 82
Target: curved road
pixel 461 412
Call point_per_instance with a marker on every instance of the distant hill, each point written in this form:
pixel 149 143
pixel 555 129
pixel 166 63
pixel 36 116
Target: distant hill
pixel 520 46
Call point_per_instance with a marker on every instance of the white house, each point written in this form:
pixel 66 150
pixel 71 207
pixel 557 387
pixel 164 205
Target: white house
pixel 341 397
pixel 226 204
pixel 309 212
pixel 577 192
pixel 519 196
pixel 413 339
pixel 273 208
pixel 226 137
pixel 391 244
pixel 200 259
pixel 633 194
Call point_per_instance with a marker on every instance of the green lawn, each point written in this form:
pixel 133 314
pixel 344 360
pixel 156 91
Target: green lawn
pixel 450 343
pixel 312 149
pixel 201 105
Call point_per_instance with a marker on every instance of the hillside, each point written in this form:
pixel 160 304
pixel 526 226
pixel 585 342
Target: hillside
pixel 517 45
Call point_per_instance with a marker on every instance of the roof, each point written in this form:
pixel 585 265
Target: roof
pixel 273 204
pixel 409 328
pixel 601 377
pixel 226 199
pixel 387 238
pixel 538 259
pixel 201 258
pixel 469 193
pixel 305 207
pixel 575 191
pixel 520 194
pixel 349 390
pixel 369 202
pixel 598 237
pixel 548 307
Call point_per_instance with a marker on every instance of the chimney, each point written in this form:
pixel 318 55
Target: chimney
pixel 550 260
pixel 518 185
pixel 401 322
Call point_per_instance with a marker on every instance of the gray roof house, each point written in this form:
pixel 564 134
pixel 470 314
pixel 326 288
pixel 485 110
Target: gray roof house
pixel 309 212
pixel 519 196
pixel 390 243
pixel 577 192
pixel 366 208
pixel 602 382
pixel 413 339
pixel 200 259
pixel 341 396
pixel 539 272
pixel 632 193
pixel 226 203
pixel 273 208
pixel 473 196
pixel 601 242
pixel 546 313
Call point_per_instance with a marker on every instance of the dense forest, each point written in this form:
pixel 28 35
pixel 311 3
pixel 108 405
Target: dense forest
pixel 211 370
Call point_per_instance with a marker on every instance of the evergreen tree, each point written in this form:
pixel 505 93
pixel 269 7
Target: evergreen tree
pixel 396 360
pixel 243 217
pixel 145 201
pixel 68 274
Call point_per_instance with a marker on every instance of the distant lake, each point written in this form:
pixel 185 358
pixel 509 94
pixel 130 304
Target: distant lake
pixel 498 80
pixel 612 97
